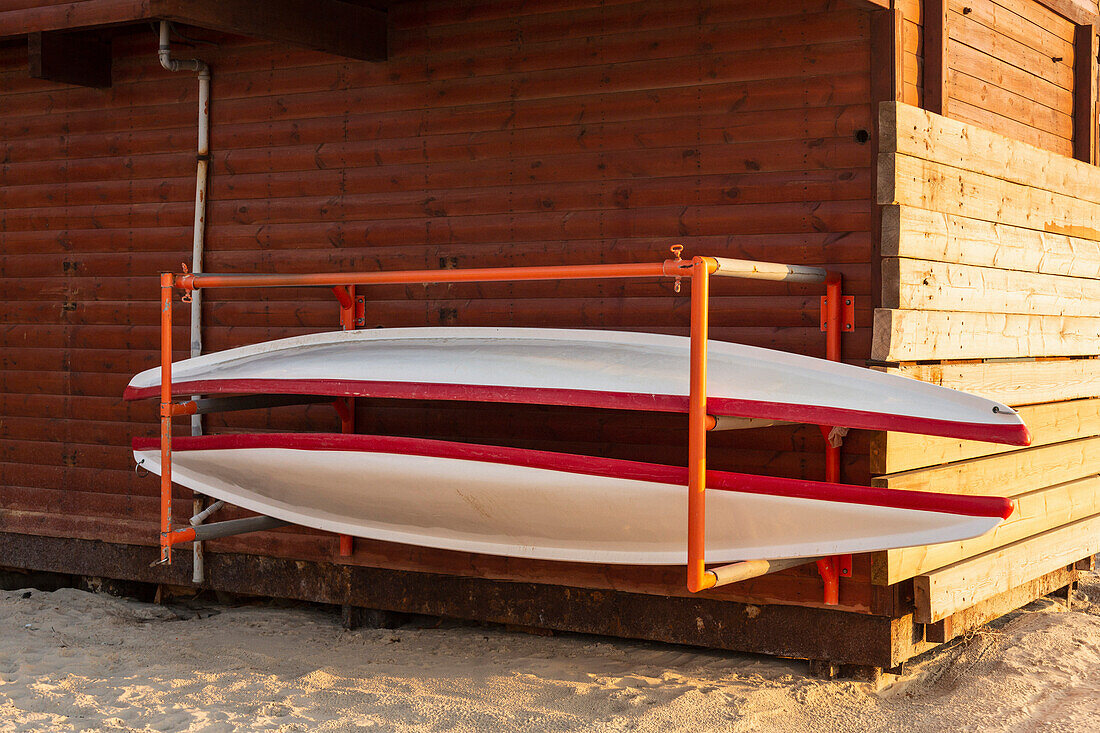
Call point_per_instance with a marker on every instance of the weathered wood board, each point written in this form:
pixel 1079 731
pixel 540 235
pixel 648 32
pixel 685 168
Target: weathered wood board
pixel 1035 512
pixel 910 284
pixel 1015 382
pixel 1008 474
pixel 918 335
pixel 951 589
pixel 920 234
pixel 1049 423
pixel 947 184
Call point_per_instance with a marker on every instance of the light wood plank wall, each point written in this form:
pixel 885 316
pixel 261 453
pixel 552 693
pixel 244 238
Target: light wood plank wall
pixel 1023 68
pixel 1011 70
pixel 970 218
pixel 990 283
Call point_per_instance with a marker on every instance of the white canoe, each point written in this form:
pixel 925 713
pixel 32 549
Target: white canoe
pixel 609 369
pixel 553 506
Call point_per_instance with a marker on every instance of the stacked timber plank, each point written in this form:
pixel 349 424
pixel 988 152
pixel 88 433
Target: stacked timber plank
pixel 991 283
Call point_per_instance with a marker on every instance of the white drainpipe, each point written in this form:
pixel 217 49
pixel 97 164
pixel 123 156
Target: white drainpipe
pixel 203 163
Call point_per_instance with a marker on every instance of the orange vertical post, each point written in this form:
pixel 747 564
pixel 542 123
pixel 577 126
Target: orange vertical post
pixel 166 408
pixel 346 407
pixel 697 577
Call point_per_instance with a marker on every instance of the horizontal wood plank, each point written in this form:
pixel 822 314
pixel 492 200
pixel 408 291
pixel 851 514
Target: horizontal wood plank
pixel 969 619
pixel 1008 474
pixel 910 131
pixel 951 589
pixel 799 585
pixel 1034 513
pixel 1049 423
pixel 941 286
pixel 1017 382
pixel 908 231
pixel 937 186
pixel 914 335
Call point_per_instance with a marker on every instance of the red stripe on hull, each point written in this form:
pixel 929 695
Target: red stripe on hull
pixel 975 506
pixel 1016 434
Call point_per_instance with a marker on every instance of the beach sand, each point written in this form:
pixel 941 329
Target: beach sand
pixel 77 661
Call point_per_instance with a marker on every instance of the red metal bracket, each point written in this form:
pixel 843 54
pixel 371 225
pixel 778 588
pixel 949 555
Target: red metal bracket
pixel 847 313
pixel 360 311
pixel 837 316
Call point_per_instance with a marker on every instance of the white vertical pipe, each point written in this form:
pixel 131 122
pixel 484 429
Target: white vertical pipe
pixel 164 53
pixel 203 162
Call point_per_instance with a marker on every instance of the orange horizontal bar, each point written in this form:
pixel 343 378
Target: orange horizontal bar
pixel 668 268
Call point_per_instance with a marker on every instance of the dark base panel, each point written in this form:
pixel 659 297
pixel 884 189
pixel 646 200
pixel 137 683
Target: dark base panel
pixel 786 631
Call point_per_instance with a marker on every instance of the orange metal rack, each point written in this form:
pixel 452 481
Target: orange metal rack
pixel 837 312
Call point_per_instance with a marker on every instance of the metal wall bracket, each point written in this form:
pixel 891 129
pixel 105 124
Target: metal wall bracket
pixel 360 311
pixel 847 313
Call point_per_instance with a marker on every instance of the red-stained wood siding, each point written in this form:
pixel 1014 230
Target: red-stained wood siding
pixel 497 134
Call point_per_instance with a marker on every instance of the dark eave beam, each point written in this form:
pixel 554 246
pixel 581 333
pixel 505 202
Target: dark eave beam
pixel 870 4
pixel 82 58
pixel 330 26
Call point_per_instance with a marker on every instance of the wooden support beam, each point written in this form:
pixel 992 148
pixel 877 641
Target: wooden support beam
pixel 1049 423
pixel 965 621
pixel 935 56
pixel 931 235
pixel 1008 474
pixel 887 86
pixel 919 335
pixel 1035 512
pixel 949 590
pixel 330 26
pixel 82 58
pixel 1013 382
pixel 915 133
pixel 1084 94
pixel 942 286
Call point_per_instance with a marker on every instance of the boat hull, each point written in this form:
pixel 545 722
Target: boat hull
pixel 533 504
pixel 606 369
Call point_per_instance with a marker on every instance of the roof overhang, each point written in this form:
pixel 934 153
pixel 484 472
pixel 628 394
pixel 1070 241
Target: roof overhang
pixel 331 26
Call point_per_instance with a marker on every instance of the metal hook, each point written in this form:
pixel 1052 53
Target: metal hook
pixel 142 472
pixel 677 250
pixel 186 297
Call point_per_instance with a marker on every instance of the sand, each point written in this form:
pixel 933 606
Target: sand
pixel 77 661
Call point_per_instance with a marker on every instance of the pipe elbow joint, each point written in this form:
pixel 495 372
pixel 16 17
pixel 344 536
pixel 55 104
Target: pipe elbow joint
pixel 708 580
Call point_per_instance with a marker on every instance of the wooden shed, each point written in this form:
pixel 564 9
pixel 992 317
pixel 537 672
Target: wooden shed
pixel 941 155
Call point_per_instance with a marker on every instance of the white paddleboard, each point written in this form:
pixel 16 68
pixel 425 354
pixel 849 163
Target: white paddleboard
pixel 608 369
pixel 553 506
